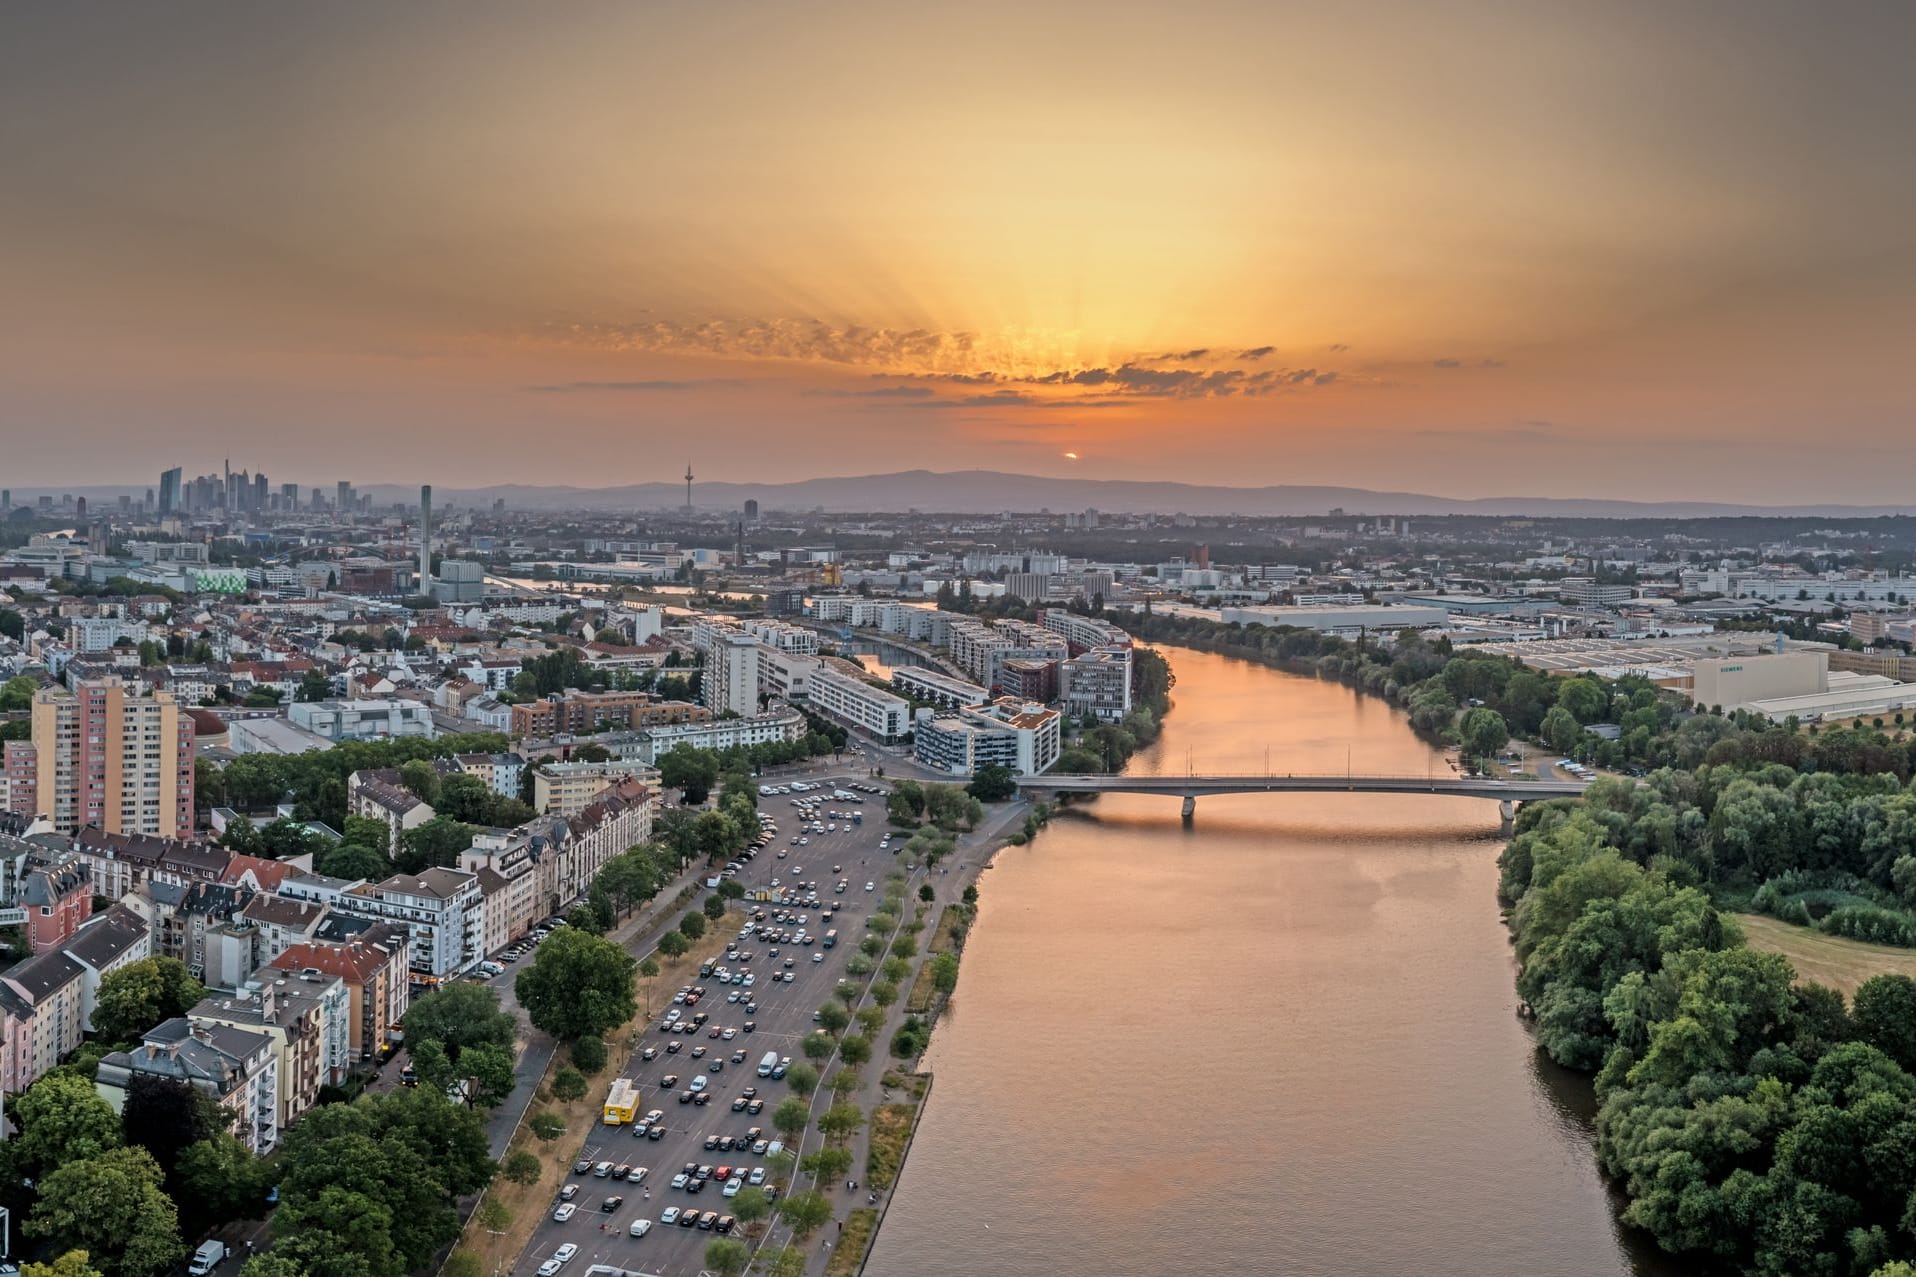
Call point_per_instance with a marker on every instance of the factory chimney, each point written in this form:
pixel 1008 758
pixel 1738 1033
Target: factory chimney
pixel 425 538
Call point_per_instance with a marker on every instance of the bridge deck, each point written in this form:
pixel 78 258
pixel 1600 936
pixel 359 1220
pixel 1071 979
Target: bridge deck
pixel 1191 786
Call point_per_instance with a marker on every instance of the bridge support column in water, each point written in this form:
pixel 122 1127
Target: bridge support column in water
pixel 1508 810
pixel 1190 806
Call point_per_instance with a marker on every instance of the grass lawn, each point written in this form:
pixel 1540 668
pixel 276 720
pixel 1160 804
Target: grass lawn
pixel 848 1248
pixel 1832 960
pixel 890 1128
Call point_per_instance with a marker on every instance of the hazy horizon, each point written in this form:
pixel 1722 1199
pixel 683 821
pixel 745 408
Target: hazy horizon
pixel 1615 250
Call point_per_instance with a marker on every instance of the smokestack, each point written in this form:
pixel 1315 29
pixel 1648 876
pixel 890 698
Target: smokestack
pixel 425 538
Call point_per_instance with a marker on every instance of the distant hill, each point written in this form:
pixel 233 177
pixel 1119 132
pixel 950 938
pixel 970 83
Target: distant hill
pixel 990 491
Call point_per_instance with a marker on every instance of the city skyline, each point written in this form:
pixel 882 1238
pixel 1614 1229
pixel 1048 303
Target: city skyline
pixel 1590 250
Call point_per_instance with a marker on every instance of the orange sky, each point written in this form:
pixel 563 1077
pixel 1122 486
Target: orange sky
pixel 1578 249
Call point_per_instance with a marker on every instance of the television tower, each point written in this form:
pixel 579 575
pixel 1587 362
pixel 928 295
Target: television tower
pixel 688 487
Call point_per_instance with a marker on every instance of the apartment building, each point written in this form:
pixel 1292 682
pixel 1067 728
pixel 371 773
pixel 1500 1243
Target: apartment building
pixel 727 733
pixel 103 756
pixel 1097 683
pixel 575 712
pixel 1082 633
pixel 1022 735
pixel 235 1068
pixel 396 808
pixel 307 1022
pixel 856 703
pixel 730 684
pixel 922 683
pixel 441 910
pixel 373 968
pixel 566 789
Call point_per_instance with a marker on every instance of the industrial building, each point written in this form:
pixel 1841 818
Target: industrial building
pixel 1350 619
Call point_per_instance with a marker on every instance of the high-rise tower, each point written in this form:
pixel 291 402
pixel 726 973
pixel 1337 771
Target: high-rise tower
pixel 425 538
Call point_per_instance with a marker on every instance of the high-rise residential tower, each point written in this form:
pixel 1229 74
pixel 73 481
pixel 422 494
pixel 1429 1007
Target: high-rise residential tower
pixel 101 756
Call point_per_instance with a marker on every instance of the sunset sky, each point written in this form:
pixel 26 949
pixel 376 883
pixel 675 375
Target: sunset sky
pixel 1606 249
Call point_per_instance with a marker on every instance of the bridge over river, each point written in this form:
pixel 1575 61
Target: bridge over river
pixel 1506 793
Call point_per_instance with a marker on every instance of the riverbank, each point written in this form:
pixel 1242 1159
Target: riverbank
pixel 1405 1126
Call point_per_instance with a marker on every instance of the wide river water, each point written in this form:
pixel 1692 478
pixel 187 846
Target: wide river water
pixel 1281 1040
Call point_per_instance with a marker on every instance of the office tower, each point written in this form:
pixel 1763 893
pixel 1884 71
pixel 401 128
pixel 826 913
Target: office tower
pixel 101 756
pixel 289 496
pixel 6 498
pixel 170 491
pixel 79 509
pixel 259 491
pixel 345 503
pixel 425 539
pixel 751 512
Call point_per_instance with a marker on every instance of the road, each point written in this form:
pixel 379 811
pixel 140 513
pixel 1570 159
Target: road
pixel 783 1019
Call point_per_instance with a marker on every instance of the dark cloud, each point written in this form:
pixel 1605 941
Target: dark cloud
pixel 634 387
pixel 1257 352
pixel 1446 363
pixel 1013 399
pixel 1338 347
pixel 876 392
pixel 1490 363
pixel 1182 356
pixel 904 349
pixel 1139 380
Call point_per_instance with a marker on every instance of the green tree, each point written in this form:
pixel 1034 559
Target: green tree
pixel 216 1180
pixel 884 993
pixel 854 1050
pixel 751 1205
pixel 993 783
pixel 692 926
pixel 578 986
pixel 1884 1012
pixel 490 1069
pixel 1584 698
pixel 944 972
pixel 112 1207
pixel 726 1256
pixel 435 844
pixel 1483 733
pixel 830 1163
pixel 278 1263
pixel 805 1213
pixel 833 1016
pixel 460 1015
pixel 139 995
pixel 74 1263
pixel 422 778
pixel 673 944
pixel 588 1055
pixel 802 1078
pixel 353 863
pixel 61 1120
pixel 568 1085
pixel 691 771
pixel 548 1126
pixel 522 1167
pixel 840 1120
pixel 790 1118
pixel 714 907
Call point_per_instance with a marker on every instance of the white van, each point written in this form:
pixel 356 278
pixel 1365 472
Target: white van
pixel 209 1256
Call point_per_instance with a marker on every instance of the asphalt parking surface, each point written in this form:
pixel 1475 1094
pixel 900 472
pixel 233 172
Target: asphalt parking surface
pixel 783 1019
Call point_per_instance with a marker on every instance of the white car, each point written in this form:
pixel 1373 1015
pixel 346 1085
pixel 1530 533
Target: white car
pixel 732 1186
pixel 668 1217
pixel 678 1181
pixel 817 957
pixel 550 1268
pixel 640 1227
pixel 869 887
pixel 565 1252
pixel 697 1084
pixel 758 1175
pixel 565 1211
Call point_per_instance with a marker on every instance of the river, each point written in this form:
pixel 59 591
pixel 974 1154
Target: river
pixel 1282 1040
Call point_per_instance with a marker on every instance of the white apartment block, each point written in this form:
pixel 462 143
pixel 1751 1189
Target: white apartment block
pixel 858 704
pixel 362 719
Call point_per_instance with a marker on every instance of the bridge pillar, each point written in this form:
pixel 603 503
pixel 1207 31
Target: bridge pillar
pixel 1190 806
pixel 1508 809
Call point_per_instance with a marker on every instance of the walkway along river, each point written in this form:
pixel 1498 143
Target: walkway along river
pixel 1281 1040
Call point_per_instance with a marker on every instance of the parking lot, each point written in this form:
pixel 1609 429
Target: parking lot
pixel 790 978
